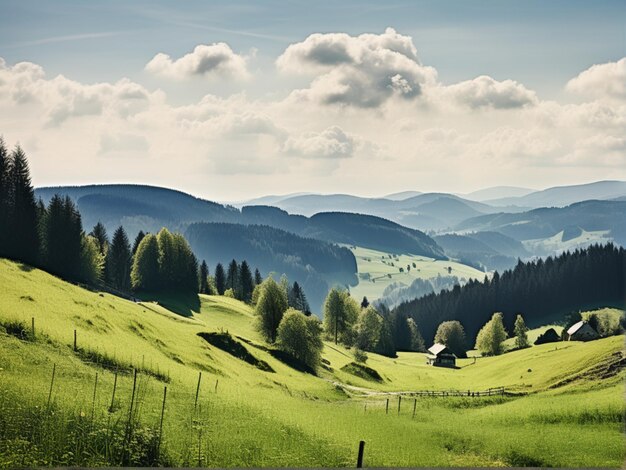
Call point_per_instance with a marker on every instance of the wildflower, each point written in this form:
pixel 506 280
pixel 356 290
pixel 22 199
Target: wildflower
pixel 82 414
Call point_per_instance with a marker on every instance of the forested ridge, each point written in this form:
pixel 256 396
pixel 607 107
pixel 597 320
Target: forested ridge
pixel 578 280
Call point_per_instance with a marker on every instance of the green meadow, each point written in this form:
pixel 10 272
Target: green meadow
pixel 563 405
pixel 377 269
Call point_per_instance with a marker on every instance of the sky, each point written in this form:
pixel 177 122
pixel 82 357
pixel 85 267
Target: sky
pixel 232 100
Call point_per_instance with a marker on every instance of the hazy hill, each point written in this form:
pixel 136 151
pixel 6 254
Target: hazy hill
pixel 488 250
pixel 428 211
pixel 139 207
pixel 560 196
pixel 497 192
pixel 401 196
pixel 591 216
pixel 149 208
pixel 315 264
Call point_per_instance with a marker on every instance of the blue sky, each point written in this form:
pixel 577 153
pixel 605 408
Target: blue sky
pixel 541 45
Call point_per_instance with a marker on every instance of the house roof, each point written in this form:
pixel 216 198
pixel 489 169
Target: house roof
pixel 575 327
pixel 437 349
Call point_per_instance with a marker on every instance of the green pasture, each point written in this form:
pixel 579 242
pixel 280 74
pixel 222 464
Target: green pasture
pixel 561 410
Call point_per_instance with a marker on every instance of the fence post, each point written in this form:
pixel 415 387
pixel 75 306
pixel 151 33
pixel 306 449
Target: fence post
pixel 359 460
pixel 414 406
pixel 54 369
pixel 161 422
pixel 75 349
pixel 32 324
pixel 387 407
pixel 216 382
pixel 113 395
pixel 399 401
pixel 195 404
pixel 93 400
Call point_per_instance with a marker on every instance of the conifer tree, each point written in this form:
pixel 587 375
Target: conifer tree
pixel 220 279
pixel 24 244
pixel 204 278
pixel 232 277
pixel 137 241
pixel 5 199
pixel 416 341
pixel 521 335
pixel 62 239
pixel 257 277
pixel 246 283
pixel 102 239
pixel 119 260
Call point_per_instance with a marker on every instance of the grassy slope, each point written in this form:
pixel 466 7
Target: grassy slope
pixel 372 263
pixel 287 417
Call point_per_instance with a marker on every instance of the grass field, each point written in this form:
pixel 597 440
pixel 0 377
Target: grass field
pixel 376 270
pixel 565 409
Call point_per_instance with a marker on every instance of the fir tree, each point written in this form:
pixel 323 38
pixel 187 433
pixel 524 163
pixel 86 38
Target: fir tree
pixel 137 241
pixel 246 283
pixel 102 239
pixel 521 335
pixel 204 278
pixel 6 199
pixel 24 244
pixel 220 279
pixel 257 277
pixel 232 277
pixel 119 260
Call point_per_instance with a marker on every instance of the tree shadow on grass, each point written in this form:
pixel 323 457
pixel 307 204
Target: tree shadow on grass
pixel 181 303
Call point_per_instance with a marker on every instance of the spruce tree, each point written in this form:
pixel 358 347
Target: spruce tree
pixel 99 232
pixel 246 283
pixel 119 260
pixel 6 199
pixel 257 277
pixel 521 335
pixel 24 245
pixel 137 241
pixel 220 279
pixel 232 276
pixel 204 278
pixel 62 239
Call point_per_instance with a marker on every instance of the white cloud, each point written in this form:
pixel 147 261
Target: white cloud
pixel 604 81
pixel 331 143
pixel 485 92
pixel 123 144
pixel 360 71
pixel 206 60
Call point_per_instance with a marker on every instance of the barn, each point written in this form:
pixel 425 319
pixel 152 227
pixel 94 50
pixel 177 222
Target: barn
pixel 441 356
pixel 582 331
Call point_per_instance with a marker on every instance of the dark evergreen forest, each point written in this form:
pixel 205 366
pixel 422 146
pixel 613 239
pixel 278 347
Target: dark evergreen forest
pixel 580 280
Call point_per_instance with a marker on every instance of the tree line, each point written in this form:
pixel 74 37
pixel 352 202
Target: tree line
pixel 52 238
pixel 580 280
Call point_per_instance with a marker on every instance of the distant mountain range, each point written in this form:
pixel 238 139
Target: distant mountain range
pixel 489 234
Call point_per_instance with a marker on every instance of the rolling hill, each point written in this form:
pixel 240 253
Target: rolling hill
pixel 149 208
pixel 248 415
pixel 543 223
pixel 315 264
pixel 561 196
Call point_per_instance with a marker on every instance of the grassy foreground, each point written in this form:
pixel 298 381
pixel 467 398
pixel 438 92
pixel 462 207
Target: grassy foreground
pixel 565 409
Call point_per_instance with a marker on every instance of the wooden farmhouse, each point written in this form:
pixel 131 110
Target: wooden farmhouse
pixel 581 331
pixel 441 356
